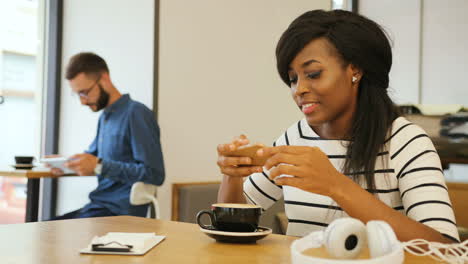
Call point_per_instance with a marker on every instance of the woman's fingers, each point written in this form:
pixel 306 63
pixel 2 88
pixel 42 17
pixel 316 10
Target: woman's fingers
pixel 279 158
pixel 235 166
pixel 240 141
pixel 240 171
pixel 233 161
pixel 284 169
pixel 290 181
pixel 235 143
pixel 223 148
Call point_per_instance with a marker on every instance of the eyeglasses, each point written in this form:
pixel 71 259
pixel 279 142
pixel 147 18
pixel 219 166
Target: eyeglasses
pixel 84 93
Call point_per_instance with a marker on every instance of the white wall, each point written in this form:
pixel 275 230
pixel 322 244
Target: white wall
pixel 403 26
pixel 429 53
pixel 122 32
pixel 429 50
pixel 218 79
pixel 444 52
pixel 445 61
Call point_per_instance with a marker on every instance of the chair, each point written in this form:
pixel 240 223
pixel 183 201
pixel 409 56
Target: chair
pixel 458 193
pixel 144 193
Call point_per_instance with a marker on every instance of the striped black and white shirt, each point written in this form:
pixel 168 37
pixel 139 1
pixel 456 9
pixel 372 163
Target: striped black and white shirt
pixel 408 178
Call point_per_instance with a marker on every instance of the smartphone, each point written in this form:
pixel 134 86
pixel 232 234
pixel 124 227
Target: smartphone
pixel 104 247
pixel 251 152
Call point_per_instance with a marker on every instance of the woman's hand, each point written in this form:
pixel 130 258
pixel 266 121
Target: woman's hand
pixel 311 169
pixel 235 166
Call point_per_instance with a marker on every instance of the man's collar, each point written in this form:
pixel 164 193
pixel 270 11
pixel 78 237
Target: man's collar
pixel 123 100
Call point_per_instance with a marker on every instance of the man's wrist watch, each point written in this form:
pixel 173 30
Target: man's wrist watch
pixel 98 169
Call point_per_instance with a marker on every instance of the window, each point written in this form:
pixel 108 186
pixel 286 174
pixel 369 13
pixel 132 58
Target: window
pixel 21 43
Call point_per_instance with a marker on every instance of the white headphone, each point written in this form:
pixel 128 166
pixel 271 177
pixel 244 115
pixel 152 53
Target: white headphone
pixel 344 238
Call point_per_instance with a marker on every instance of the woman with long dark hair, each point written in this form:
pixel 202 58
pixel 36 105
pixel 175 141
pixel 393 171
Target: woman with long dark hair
pixel 352 154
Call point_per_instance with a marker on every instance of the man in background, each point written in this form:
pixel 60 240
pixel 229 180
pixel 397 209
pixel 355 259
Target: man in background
pixel 126 148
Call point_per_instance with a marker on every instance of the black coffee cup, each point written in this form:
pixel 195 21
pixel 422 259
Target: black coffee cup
pixel 24 159
pixel 232 217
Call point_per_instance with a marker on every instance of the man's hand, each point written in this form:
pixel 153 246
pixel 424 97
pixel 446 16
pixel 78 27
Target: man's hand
pixel 55 171
pixel 84 164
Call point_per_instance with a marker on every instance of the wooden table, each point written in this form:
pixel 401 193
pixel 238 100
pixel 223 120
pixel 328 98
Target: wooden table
pixel 32 197
pixel 60 242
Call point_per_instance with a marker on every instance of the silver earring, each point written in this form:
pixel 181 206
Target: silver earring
pixel 354 79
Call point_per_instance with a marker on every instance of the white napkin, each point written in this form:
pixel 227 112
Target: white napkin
pixel 140 242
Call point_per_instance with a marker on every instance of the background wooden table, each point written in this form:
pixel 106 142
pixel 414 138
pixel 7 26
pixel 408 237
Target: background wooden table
pixel 32 196
pixel 33 187
pixel 60 242
pixel 30 174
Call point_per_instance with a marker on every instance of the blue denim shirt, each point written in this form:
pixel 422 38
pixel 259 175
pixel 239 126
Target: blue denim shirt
pixel 128 143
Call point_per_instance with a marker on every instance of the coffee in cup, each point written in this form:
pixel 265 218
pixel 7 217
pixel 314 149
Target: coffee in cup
pixel 232 217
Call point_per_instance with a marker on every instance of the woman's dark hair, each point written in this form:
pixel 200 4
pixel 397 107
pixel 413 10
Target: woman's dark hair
pixel 361 42
pixel 86 62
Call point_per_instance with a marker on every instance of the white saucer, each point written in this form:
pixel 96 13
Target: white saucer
pixel 237 237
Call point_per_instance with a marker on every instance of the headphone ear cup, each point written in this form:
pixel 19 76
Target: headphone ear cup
pixel 381 238
pixel 345 237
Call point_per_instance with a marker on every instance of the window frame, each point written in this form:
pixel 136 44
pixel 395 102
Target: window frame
pixel 51 102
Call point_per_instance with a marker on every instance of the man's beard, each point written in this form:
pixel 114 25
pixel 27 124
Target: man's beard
pixel 103 99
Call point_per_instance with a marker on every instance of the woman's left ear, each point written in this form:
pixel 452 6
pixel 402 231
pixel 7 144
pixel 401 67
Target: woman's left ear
pixel 355 73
